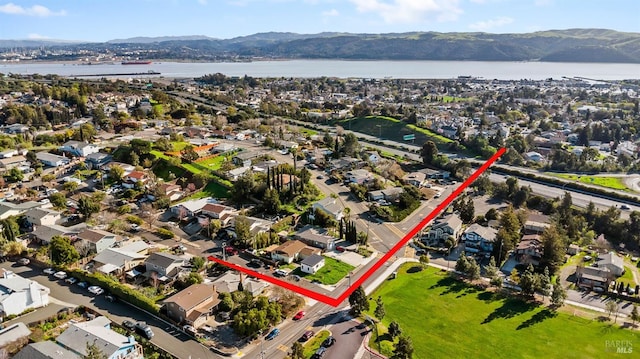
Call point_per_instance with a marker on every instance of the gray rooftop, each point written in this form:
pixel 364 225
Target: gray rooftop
pixel 116 256
pixel 13 332
pixel 312 260
pixel 163 260
pixel 45 350
pixel 96 331
pixel 485 232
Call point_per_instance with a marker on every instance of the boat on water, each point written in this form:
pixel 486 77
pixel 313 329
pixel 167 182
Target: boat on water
pixel 136 62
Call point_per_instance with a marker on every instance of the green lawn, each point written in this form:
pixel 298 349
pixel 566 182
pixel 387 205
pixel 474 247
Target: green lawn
pixel 447 318
pixel 213 163
pixel 212 189
pixel 608 182
pixel 179 146
pixel 314 343
pixel 392 129
pixel 159 154
pixel 627 277
pixel 332 272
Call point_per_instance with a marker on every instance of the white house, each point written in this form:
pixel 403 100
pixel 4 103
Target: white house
pixel 312 263
pixel 18 294
pixel 51 160
pixel 42 216
pixel 479 239
pixel 77 148
pixel 330 206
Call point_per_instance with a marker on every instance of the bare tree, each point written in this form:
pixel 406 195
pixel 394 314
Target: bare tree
pixel 147 213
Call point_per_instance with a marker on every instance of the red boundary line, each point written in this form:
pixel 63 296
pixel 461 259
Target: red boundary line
pixel 336 301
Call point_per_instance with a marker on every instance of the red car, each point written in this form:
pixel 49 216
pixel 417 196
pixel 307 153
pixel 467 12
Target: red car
pixel 299 315
pixel 230 251
pixel 340 249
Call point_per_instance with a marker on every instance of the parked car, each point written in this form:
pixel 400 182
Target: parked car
pixel 135 227
pixel 299 315
pixel 143 329
pixel 49 271
pixel 60 275
pixel 230 251
pixel 307 335
pixel 110 297
pixel 624 206
pixel 328 342
pixel 95 290
pixel 320 353
pixel 129 325
pixel 24 261
pixel 71 280
pixel 280 273
pixel 82 284
pixel 272 334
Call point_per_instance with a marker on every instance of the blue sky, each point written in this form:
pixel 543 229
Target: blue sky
pixel 101 20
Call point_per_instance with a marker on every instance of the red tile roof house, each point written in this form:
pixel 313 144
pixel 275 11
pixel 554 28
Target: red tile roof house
pixel 133 177
pixel 193 305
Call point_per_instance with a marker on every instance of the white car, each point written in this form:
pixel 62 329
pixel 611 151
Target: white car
pixel 49 271
pixel 94 289
pixel 60 275
pixel 71 280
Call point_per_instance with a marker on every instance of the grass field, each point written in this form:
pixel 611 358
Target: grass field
pixel 314 343
pixel 627 277
pixel 332 272
pixel 212 189
pixel 392 129
pixel 447 318
pixel 608 182
pixel 213 163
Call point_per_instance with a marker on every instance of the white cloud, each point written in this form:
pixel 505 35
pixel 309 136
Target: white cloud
pixel 332 12
pixel 37 37
pixel 543 2
pixel 407 11
pixel 490 24
pixel 202 2
pixel 35 10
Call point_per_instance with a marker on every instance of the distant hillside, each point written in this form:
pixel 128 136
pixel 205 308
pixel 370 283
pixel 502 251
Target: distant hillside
pixel 572 45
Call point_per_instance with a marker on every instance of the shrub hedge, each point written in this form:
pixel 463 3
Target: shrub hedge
pixel 165 233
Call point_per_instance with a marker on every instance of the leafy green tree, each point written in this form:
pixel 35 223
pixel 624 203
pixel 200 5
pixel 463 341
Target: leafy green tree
pixel 242 228
pixel 544 283
pixel 62 251
pixel 528 281
pixel 473 269
pixel 429 152
pixel 297 351
pixel 70 186
pixel 467 212
pixel 424 260
pixel 14 175
pixel 197 263
pixel 116 173
pixel 271 201
pixel 554 249
pixel 140 147
pixel 491 270
pixel 88 206
pixel 188 154
pixel 394 329
pixel 612 307
pixel 508 235
pixel 243 188
pixel 379 312
pixel 403 348
pixel 558 295
pixel 13 248
pixel 58 200
pixel 358 301
pixel 93 352
pixel 214 227
pixel 462 264
pixel 226 302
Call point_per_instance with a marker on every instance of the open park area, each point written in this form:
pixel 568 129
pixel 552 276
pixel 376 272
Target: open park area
pixel 448 318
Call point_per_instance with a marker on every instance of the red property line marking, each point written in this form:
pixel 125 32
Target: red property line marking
pixel 336 301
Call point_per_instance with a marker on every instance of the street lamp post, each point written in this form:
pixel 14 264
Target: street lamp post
pixel 224 251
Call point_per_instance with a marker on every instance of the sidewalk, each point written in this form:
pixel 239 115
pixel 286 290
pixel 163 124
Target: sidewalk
pixel 387 272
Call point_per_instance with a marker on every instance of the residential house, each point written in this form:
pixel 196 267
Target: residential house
pixel 98 331
pixel 45 350
pixel 312 264
pixel 8 153
pixel 14 336
pixel 358 176
pixel 117 261
pixel 592 277
pixel 43 234
pixel 18 294
pixel 191 208
pixel 219 211
pixel 392 194
pixel 330 206
pixel 375 196
pixel 612 262
pixel 536 223
pixel 479 239
pixel 96 240
pixel 97 160
pixel 534 156
pixel 79 149
pixel 229 282
pixel 416 179
pixel 449 226
pixel 372 156
pixel 573 249
pixel 132 178
pixel 244 158
pixel 8 209
pixel 309 251
pixel 193 305
pixel 51 160
pixel 165 266
pixel 435 174
pixel 529 250
pixel 235 173
pixel 173 191
pixel 316 237
pixel 224 147
pixel 7 164
pixel 288 251
pixel 42 216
